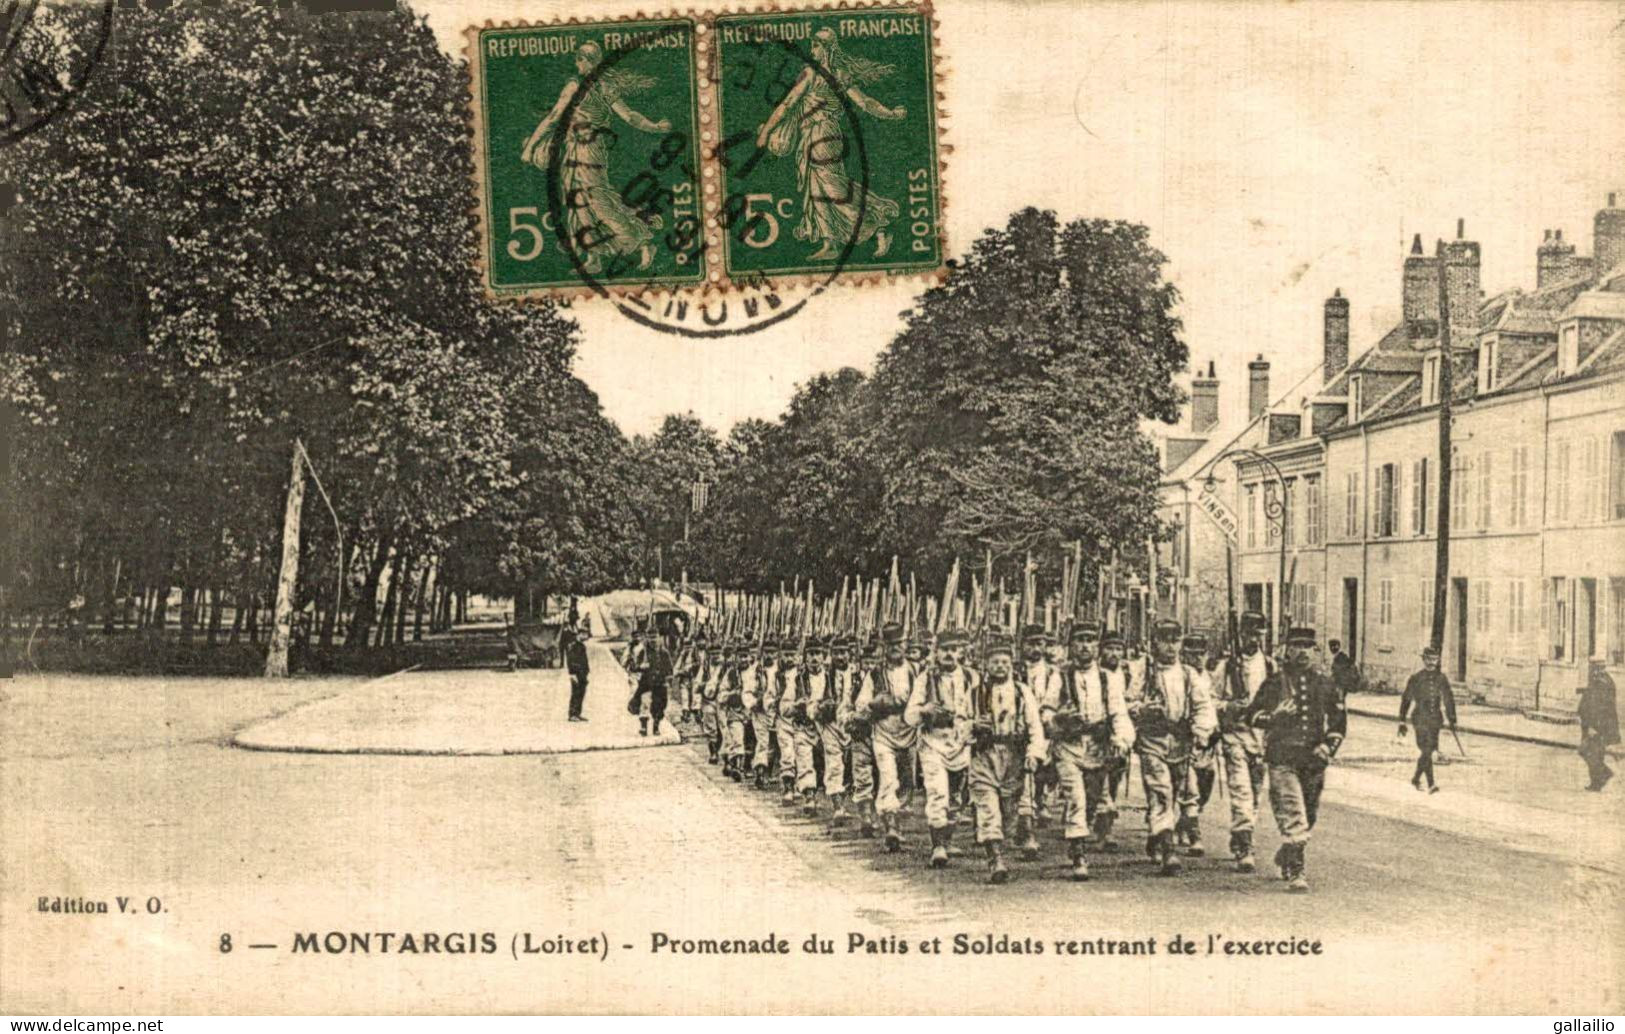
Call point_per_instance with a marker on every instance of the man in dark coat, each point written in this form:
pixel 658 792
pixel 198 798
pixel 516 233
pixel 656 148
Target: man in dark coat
pixel 575 662
pixel 1599 724
pixel 1344 673
pixel 1429 703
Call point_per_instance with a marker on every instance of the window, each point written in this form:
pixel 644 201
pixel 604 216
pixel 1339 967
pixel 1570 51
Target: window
pixel 1311 511
pixel 1560 481
pixel 1419 497
pixel 1518 488
pixel 1430 380
pixel 1386 502
pixel 1289 516
pixel 1616 612
pixel 1252 516
pixel 1481 605
pixel 1558 606
pixel 1385 607
pixel 1485 494
pixel 1616 464
pixel 1568 348
pixel 1351 506
pixel 1486 365
pixel 1592 487
pixel 1459 489
pixel 1424 604
pixel 1516 627
pixel 1306 605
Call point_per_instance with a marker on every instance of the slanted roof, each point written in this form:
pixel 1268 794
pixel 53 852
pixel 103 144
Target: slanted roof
pixel 1602 305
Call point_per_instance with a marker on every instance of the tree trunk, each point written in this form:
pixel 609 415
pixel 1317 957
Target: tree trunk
pixel 160 608
pixel 237 615
pixel 425 587
pixel 331 617
pixel 111 608
pixel 366 607
pixel 216 614
pixel 392 601
pixel 188 612
pixel 462 607
pixel 404 603
pixel 252 623
pixel 276 658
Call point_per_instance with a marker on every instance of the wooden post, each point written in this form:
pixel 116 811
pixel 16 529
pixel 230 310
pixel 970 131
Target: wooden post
pixel 276 658
pixel 1441 556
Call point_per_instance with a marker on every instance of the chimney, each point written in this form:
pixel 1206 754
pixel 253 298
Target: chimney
pixel 1421 301
pixel 1554 260
pixel 1460 259
pixel 1205 401
pixel 1258 387
pixel 1608 237
pixel 1335 353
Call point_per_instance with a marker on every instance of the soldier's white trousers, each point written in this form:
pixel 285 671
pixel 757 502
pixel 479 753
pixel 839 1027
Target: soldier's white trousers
pixel 1243 782
pixel 834 741
pixel 763 725
pixel 1083 795
pixel 1161 779
pixel 862 769
pixel 709 720
pixel 886 760
pixel 934 771
pixel 787 748
pixel 997 774
pixel 733 734
pixel 1295 798
pixel 806 738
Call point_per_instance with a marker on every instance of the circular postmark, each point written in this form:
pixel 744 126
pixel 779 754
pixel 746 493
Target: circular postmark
pixel 47 54
pixel 757 302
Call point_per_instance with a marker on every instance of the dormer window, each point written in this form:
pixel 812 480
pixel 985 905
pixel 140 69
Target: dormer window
pixel 1568 348
pixel 1356 399
pixel 1430 379
pixel 1487 354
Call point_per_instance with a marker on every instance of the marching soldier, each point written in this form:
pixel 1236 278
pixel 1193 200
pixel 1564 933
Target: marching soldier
pixel 1113 659
pixel 859 726
pixel 1236 684
pixel 1085 719
pixel 803 727
pixel 883 699
pixel 783 690
pixel 1041 668
pixel 1304 716
pixel 940 707
pixel 1174 713
pixel 1429 703
pixel 759 696
pixel 707 668
pixel 1200 774
pixel 733 714
pixel 827 695
pixel 1007 744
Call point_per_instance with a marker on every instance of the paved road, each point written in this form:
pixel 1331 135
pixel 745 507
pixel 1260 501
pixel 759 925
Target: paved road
pixel 131 788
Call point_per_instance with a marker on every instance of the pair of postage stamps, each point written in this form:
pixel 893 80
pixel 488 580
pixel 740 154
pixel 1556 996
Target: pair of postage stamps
pixel 707 151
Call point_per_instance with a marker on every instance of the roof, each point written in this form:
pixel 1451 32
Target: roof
pixel 1605 305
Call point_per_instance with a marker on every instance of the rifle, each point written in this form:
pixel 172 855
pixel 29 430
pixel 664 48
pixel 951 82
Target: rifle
pixel 1233 674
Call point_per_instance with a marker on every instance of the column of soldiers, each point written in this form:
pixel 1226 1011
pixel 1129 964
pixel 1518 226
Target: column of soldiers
pixel 1002 743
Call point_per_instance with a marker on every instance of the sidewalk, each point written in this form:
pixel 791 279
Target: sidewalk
pixel 463 712
pixel 1483 720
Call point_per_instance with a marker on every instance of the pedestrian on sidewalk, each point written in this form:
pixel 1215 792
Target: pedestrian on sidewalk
pixel 1344 672
pixel 1599 724
pixel 1430 704
pixel 575 662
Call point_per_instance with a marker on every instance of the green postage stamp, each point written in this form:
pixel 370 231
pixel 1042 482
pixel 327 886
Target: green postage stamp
pixel 707 151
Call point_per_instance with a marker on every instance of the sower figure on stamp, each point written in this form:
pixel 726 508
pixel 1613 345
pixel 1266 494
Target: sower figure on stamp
pixel 1007 744
pixel 1599 724
pixel 1085 720
pixel 828 692
pixel 883 698
pixel 1236 683
pixel 859 725
pixel 804 729
pixel 600 221
pixel 784 689
pixel 733 713
pixel 759 696
pixel 1174 715
pixel 940 708
pixel 1202 770
pixel 1303 715
pixel 1429 703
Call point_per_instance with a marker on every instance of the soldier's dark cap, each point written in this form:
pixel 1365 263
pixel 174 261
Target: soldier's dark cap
pixel 843 642
pixel 1300 636
pixel 891 633
pixel 1195 641
pixel 1085 632
pixel 871 648
pixel 951 637
pixel 1253 621
pixel 1163 631
pixel 769 646
pixel 1111 639
pixel 818 643
pixel 1036 634
pixel 997 643
pixel 1430 651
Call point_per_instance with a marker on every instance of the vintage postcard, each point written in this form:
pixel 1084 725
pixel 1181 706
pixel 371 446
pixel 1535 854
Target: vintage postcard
pixel 544 507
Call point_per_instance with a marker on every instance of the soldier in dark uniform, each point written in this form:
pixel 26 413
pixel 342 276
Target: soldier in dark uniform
pixel 1599 724
pixel 1303 714
pixel 575 661
pixel 1429 703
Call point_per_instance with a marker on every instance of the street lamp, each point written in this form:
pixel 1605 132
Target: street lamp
pixel 1274 513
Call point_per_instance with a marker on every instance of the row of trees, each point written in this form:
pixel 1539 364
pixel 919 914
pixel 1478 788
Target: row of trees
pixel 248 241
pixel 1008 414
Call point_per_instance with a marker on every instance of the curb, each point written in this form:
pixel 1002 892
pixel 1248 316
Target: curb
pixel 1388 716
